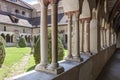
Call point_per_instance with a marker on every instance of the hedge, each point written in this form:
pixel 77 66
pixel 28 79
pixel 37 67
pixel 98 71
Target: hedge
pixel 2 50
pixel 22 42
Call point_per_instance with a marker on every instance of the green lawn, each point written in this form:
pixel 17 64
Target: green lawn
pixel 31 64
pixel 13 55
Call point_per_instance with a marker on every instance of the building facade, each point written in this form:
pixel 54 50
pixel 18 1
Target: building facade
pixel 17 18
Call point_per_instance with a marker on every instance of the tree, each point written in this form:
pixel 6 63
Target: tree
pixel 22 42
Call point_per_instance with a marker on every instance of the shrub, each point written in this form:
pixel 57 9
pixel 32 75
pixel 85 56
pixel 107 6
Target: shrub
pixel 37 49
pixel 22 42
pixel 2 50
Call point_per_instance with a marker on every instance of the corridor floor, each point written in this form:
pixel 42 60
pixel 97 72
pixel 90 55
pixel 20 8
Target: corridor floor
pixel 112 70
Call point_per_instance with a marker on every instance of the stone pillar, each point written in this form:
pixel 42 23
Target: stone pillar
pixel 110 36
pixel 76 56
pixel 54 36
pixel 44 38
pixel 82 40
pixel 69 36
pixel 105 33
pixel 54 66
pixel 102 37
pixel 10 39
pixel 88 34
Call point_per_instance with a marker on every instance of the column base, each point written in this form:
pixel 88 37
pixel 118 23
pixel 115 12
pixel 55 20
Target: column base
pixel 40 67
pixel 75 59
pixel 68 58
pixel 105 46
pixel 89 53
pixel 49 69
pixel 55 70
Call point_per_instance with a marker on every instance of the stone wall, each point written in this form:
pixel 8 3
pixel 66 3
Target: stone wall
pixel 10 7
pixel 12 28
pixel 89 69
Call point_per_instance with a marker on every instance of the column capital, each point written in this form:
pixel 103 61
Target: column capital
pixel 44 2
pixel 102 28
pixel 82 20
pixel 69 14
pixel 87 20
pixel 77 13
pixel 54 1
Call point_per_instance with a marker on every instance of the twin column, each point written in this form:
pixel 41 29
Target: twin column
pixel 54 66
pixel 85 35
pixel 73 56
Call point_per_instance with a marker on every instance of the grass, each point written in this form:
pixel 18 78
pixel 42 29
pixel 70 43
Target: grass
pixel 31 64
pixel 13 55
pixel 65 50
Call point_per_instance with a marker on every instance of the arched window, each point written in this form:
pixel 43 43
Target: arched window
pixel 8 38
pixel 4 28
pixel 12 39
pixel 23 12
pixel 16 11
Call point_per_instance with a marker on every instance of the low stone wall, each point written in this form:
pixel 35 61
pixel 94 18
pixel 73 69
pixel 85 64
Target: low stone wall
pixel 90 69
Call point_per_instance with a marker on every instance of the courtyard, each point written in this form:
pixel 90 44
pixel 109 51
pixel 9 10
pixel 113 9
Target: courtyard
pixel 14 62
pixel 17 61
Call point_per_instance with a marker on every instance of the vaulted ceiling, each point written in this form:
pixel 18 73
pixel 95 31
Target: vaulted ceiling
pixel 114 14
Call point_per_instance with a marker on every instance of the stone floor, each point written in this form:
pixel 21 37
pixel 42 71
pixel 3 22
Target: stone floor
pixel 112 70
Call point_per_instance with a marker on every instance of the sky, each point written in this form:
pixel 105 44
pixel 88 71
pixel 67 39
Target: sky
pixel 31 1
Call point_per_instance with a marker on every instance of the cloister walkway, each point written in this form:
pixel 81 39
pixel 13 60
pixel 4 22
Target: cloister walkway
pixel 112 70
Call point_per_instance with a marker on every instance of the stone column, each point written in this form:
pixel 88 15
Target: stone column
pixel 54 66
pixel 76 56
pixel 88 34
pixel 102 34
pixel 82 40
pixel 105 32
pixel 69 36
pixel 10 39
pixel 110 36
pixel 54 36
pixel 44 38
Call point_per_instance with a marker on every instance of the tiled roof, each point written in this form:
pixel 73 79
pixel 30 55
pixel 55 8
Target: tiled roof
pixel 61 20
pixel 7 20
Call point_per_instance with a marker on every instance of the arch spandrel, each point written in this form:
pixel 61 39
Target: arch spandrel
pixel 85 10
pixel 70 5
